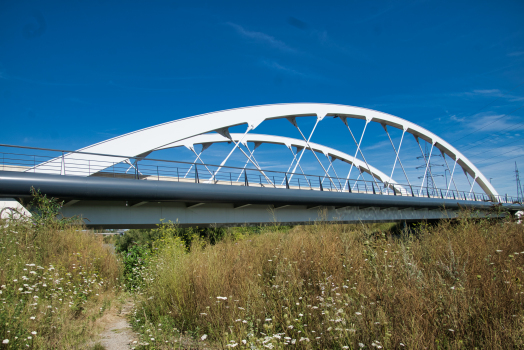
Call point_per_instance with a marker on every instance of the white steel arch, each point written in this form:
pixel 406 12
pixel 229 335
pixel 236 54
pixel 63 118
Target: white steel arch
pixel 142 142
pixel 208 139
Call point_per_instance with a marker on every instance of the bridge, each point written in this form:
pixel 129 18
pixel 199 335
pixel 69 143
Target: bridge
pixel 291 179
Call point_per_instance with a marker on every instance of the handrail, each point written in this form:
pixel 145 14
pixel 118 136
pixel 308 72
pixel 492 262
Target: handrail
pixel 141 170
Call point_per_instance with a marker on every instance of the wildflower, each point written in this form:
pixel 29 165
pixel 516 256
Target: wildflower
pixel 345 347
pixel 358 313
pixel 33 333
pixel 361 345
pixel 401 344
pixel 153 339
pixel 32 317
pixel 222 298
pixel 5 341
pixel 244 341
pixel 290 327
pixel 451 330
pixel 498 251
pixel 268 320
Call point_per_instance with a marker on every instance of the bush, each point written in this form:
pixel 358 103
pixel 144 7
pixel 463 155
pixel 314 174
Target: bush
pixel 52 278
pixel 452 285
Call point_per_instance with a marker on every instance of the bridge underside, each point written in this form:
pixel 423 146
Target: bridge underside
pixel 125 203
pixel 119 214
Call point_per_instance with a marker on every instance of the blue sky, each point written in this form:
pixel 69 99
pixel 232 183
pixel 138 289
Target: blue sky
pixel 73 73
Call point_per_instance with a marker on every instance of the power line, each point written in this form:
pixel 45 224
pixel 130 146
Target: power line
pixel 494 121
pixel 490 103
pixel 509 143
pixel 504 160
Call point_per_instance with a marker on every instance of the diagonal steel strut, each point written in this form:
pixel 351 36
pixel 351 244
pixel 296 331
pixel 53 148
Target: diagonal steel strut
pixel 451 173
pixel 309 146
pixel 427 164
pixel 302 170
pixel 344 120
pixel 397 154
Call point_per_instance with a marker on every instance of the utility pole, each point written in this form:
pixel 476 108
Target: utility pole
pixel 430 183
pixel 520 194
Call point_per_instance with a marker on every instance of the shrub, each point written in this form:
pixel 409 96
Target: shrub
pixel 457 284
pixel 52 278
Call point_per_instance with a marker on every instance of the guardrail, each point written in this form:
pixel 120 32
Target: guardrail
pixel 74 163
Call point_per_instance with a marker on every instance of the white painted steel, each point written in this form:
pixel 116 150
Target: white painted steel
pixel 290 142
pixel 143 141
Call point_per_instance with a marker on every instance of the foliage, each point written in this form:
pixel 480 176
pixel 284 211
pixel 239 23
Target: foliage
pixel 453 285
pixel 46 212
pixel 53 279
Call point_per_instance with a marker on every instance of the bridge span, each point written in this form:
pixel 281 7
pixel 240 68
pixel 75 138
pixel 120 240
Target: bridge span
pixel 117 183
pixel 106 202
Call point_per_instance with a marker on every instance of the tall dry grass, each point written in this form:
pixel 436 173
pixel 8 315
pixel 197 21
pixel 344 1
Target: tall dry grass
pixel 456 285
pixel 55 280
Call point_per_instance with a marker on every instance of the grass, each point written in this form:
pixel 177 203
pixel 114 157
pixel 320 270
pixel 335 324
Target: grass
pixel 56 280
pixel 454 285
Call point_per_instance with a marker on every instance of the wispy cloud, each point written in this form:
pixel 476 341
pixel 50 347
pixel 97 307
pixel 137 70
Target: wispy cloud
pixel 278 67
pixel 5 76
pixel 491 122
pixel 516 54
pixel 493 93
pixel 346 49
pixel 262 37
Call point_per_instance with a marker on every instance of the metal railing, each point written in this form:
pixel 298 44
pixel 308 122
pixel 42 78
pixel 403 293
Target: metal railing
pixel 73 163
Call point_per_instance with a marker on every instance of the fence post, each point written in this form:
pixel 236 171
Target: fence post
pixel 349 187
pixel 298 183
pixel 63 165
pixel 412 194
pixel 287 182
pixel 197 180
pixel 320 183
pixel 274 183
pixel 246 183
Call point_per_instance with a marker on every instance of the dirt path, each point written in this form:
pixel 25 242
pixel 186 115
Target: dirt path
pixel 117 334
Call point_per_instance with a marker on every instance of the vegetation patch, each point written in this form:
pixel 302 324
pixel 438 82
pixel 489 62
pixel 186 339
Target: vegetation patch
pixel 56 279
pixel 454 285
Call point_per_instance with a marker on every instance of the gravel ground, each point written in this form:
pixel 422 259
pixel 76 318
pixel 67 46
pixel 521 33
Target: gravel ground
pixel 117 334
